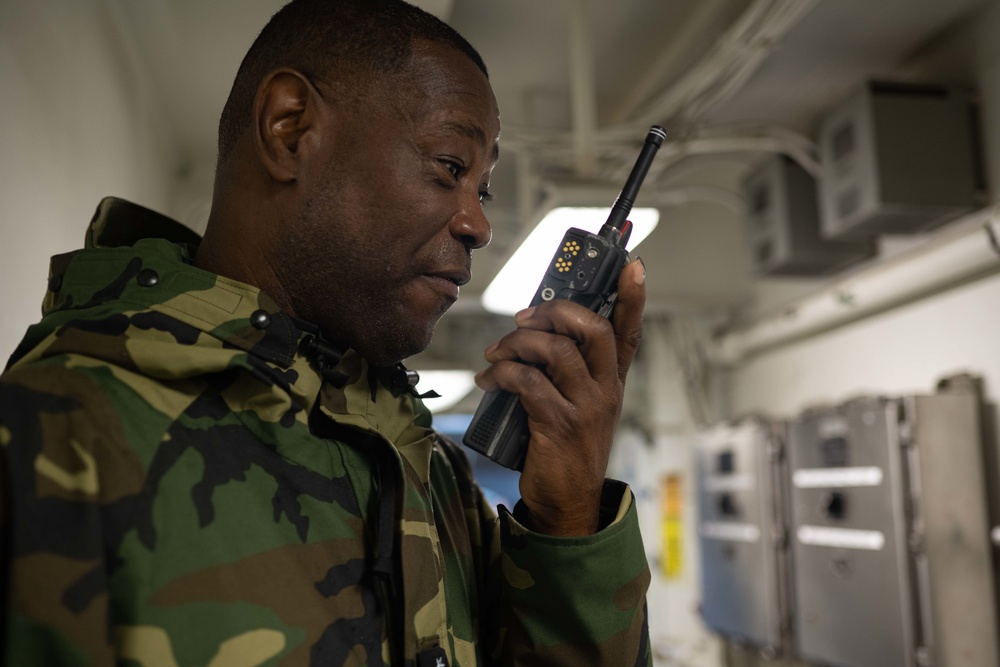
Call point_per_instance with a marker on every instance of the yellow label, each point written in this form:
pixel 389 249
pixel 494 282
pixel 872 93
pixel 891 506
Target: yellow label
pixel 672 528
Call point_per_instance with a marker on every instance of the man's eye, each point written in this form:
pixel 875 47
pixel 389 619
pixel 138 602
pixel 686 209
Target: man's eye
pixel 453 167
pixel 485 196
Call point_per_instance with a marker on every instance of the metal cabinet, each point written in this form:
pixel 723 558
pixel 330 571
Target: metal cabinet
pixel 889 534
pixel 742 537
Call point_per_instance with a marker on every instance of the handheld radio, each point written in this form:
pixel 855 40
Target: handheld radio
pixel 584 270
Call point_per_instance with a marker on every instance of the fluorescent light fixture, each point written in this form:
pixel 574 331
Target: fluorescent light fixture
pixel 452 385
pixel 517 281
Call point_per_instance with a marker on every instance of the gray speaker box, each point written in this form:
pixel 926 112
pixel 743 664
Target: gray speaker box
pixel 897 158
pixel 782 224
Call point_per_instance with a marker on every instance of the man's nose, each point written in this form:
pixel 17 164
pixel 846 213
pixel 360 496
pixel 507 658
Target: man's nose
pixel 470 226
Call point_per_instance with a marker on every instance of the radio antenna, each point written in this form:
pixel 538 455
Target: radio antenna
pixel 617 228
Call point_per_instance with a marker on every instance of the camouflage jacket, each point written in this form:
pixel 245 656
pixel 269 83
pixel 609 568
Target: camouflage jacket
pixel 189 476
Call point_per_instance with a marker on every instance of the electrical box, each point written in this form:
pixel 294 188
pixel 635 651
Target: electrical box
pixel 889 534
pixel 742 533
pixel 783 228
pixel 897 158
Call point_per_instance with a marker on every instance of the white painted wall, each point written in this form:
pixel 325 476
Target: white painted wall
pixel 902 351
pixel 77 122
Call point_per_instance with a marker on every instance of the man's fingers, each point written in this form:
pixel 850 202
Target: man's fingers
pixel 559 355
pixel 538 395
pixel 590 331
pixel 627 318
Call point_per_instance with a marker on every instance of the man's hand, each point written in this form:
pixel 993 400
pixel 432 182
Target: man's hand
pixel 573 399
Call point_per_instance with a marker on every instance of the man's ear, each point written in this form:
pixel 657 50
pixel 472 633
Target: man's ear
pixel 287 113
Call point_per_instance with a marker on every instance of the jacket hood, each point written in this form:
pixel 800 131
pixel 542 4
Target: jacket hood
pixel 132 298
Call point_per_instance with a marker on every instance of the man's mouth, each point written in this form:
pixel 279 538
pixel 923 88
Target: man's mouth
pixel 447 283
pixel 458 277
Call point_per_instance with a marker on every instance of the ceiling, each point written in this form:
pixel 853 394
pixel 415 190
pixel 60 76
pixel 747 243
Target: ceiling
pixel 747 69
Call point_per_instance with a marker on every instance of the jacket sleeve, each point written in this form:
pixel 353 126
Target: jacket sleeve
pixel 557 601
pixel 53 591
pixel 572 601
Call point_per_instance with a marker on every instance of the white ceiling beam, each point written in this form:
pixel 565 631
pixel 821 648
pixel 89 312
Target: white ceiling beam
pixel 583 88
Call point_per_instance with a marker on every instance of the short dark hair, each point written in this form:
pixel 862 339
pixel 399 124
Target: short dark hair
pixel 350 42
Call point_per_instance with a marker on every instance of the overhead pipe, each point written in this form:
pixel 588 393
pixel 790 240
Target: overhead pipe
pixel 739 52
pixel 695 26
pixel 767 140
pixel 601 195
pixel 734 58
pixel 965 250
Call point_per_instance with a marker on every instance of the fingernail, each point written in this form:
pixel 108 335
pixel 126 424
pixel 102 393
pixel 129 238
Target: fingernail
pixel 524 314
pixel 642 278
pixel 492 347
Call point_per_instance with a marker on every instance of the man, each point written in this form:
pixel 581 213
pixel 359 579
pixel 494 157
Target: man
pixel 210 451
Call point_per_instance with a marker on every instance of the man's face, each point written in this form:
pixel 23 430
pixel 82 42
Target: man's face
pixel 388 224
